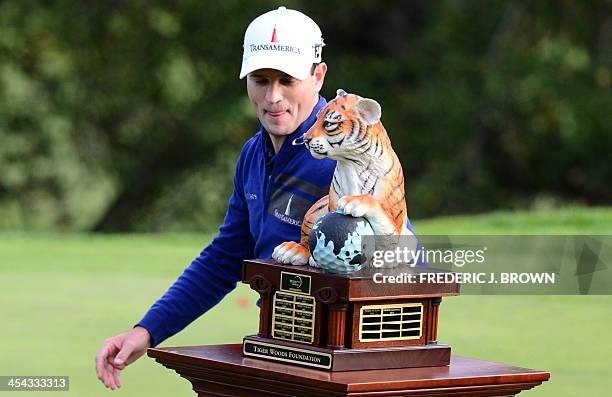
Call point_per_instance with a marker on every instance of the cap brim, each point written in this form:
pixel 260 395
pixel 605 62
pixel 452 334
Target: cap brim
pixel 293 66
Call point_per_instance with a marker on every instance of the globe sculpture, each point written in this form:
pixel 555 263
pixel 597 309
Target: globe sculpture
pixel 336 243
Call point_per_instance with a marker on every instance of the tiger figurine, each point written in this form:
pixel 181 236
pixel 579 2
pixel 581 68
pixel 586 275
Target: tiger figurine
pixel 368 180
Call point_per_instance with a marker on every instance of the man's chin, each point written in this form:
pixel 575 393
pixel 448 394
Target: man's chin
pixel 278 127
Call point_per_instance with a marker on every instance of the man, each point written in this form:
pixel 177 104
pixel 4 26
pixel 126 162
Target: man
pixel 275 182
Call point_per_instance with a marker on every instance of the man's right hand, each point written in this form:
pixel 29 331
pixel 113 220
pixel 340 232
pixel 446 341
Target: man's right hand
pixel 118 352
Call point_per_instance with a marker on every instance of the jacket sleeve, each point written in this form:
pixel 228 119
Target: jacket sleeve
pixel 209 277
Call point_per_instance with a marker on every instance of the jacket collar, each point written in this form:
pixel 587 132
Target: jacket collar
pixel 288 149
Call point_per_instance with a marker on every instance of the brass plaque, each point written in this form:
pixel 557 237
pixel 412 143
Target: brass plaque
pixel 390 322
pixel 293 282
pixel 292 320
pixel 292 355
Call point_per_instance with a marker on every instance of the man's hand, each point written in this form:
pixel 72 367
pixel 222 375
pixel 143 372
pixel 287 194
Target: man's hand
pixel 118 352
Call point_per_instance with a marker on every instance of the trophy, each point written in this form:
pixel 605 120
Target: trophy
pixel 342 322
pixel 334 319
pixel 332 314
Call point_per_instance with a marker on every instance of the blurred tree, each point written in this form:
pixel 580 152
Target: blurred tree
pixel 128 115
pixel 141 94
pixel 490 104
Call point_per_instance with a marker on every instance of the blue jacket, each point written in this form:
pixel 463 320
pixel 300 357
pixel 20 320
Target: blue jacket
pixel 272 193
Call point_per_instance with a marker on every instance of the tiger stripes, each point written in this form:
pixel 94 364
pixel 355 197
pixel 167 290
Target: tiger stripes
pixel 368 180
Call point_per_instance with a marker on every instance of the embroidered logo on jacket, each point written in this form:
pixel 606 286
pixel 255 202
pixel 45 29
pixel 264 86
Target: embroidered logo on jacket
pixel 287 219
pixel 288 206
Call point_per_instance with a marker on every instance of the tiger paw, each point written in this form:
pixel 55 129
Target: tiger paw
pixel 357 206
pixel 291 253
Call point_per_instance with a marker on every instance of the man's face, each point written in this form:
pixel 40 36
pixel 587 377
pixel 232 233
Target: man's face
pixel 283 102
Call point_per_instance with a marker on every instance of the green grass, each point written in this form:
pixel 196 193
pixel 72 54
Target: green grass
pixel 63 294
pixel 569 220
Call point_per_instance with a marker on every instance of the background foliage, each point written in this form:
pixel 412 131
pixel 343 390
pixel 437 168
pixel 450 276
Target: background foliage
pixel 128 115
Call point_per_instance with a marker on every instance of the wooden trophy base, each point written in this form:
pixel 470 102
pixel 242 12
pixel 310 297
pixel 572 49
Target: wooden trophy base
pixel 222 370
pixel 432 355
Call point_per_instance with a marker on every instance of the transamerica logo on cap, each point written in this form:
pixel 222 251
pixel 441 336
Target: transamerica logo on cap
pixel 274 47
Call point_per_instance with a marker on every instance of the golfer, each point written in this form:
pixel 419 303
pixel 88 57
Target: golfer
pixel 275 182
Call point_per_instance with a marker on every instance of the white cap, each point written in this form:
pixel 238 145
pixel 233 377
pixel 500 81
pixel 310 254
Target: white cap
pixel 282 39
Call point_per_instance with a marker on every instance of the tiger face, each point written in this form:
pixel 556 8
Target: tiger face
pixel 342 127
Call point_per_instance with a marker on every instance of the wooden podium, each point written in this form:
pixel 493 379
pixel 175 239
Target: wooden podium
pixel 222 370
pixel 323 334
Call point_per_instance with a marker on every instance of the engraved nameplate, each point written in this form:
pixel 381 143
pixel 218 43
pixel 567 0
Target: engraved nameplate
pixel 293 282
pixel 390 322
pixel 287 354
pixel 293 317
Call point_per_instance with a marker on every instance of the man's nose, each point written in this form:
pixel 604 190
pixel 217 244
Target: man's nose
pixel 274 93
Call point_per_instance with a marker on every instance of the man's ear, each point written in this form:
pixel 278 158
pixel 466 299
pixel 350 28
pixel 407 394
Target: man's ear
pixel 369 110
pixel 319 75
